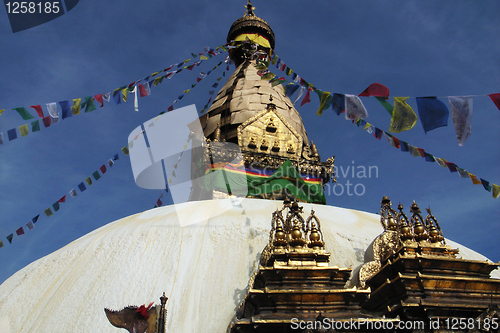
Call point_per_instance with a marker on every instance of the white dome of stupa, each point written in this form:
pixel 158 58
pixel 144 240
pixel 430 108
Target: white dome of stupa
pixel 203 268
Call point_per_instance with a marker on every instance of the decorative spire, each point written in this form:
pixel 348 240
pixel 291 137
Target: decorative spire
pixel 250 9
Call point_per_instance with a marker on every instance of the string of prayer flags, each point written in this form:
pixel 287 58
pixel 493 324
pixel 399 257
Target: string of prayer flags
pixel 461 111
pixel 403 116
pixel 432 113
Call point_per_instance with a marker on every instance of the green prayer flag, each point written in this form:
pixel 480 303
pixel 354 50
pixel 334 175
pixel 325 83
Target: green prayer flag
pixel 56 206
pixel 24 113
pixel 9 238
pixel 96 175
pixel 388 106
pixel 1 244
pixel 75 109
pixel 89 104
pixel 267 76
pixel 23 129
pixel 173 173
pixel 35 126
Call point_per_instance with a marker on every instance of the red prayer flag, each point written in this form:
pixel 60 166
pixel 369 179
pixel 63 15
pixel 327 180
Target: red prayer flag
pixel 198 79
pixel 98 98
pixel 397 144
pixel 38 110
pixel 47 121
pixel 159 203
pixel 421 152
pixel 63 199
pixel 20 231
pixel 307 97
pixel 103 169
pixel 376 89
pixel 451 166
pixel 191 67
pixel 496 99
pixel 170 108
pixel 142 91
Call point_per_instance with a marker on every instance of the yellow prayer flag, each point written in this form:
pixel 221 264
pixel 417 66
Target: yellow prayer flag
pixel 170 180
pixel 155 73
pixel 24 130
pixel 75 109
pixel 324 98
pixel 203 57
pixel 367 125
pixel 403 116
pixel 2 110
pixel 125 150
pixel 156 81
pixel 475 181
pixel 496 190
pixel 186 91
pixel 124 92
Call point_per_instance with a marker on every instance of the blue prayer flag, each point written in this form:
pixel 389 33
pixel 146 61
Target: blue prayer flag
pixel 432 113
pixel 66 111
pixel 290 89
pixel 82 187
pixel 338 103
pixel 12 134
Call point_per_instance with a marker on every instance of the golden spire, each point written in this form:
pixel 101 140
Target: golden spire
pixel 250 9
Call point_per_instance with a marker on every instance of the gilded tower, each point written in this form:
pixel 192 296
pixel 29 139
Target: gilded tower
pixel 257 117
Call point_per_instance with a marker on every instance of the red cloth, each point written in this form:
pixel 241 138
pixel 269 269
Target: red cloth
pixel 496 99
pixel 38 110
pixel 376 89
pixel 98 98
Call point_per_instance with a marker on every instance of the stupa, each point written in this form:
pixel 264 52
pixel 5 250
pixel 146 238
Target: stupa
pixel 241 268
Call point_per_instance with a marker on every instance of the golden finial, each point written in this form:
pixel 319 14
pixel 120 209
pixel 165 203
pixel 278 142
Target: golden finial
pixel 250 9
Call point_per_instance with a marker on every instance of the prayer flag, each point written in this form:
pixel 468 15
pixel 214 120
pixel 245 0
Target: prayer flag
pixel 461 112
pixel 65 109
pixel 429 158
pixel 395 142
pixel 496 190
pixel 404 146
pixel 338 103
pixel 35 219
pixel 96 175
pixel 388 137
pixel 73 193
pixel 378 133
pixel 38 109
pixel 290 89
pixel 24 113
pixel 116 157
pixel 388 106
pixel 144 89
pixel 1 138
pixel 463 173
pixel 9 238
pixel 432 112
pixel 56 206
pixel 288 71
pixel 475 181
pixel 441 162
pixel 354 108
pixel 106 96
pixel 325 100
pixel 413 151
pixel 12 134
pixel 30 225
pixel 376 89
pixel 496 99
pixel 125 150
pixel 301 92
pixel 159 203
pixel 403 116
pixel 48 212
pixel 306 98
pixel 35 125
pixel 124 94
pixel 23 129
pixel 422 152
pixel 63 199
pixel 110 163
pixel 82 187
pixel 1 111
pixel 116 96
pixel 20 231
pixel 1 244
pixel 99 99
pixel 486 184
pixel 88 180
pixel 47 121
pixel 89 104
pixel 103 169
pixel 75 109
pixel 52 109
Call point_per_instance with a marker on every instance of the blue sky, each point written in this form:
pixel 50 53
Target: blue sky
pixel 415 48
